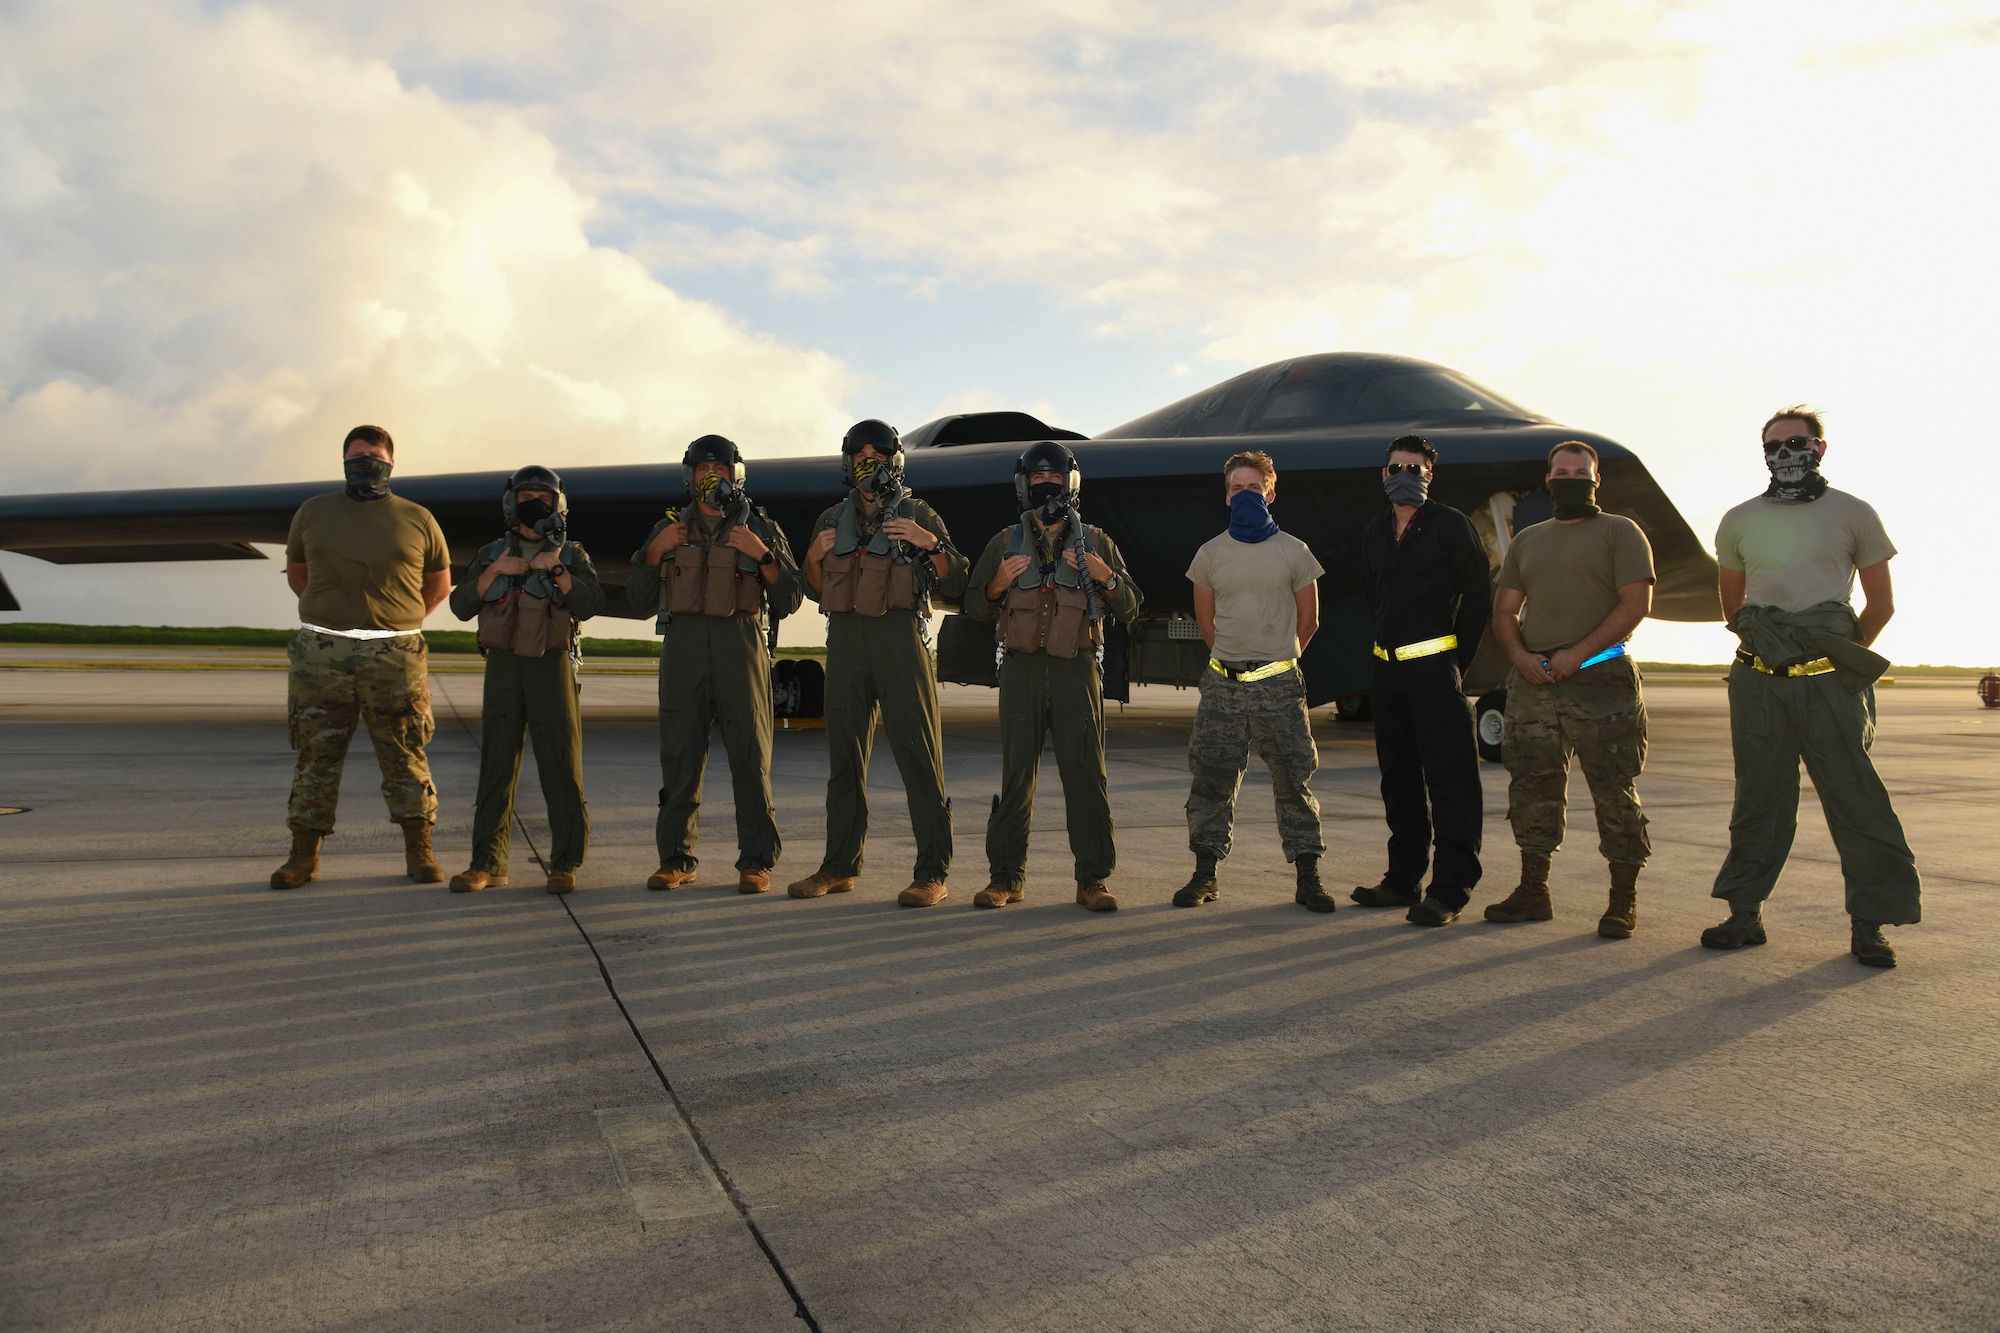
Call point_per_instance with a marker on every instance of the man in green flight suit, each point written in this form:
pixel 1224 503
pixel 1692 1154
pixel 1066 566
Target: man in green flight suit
pixel 872 564
pixel 713 572
pixel 530 589
pixel 1048 612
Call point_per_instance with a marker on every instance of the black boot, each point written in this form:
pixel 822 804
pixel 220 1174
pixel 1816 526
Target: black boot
pixel 1311 895
pixel 1431 912
pixel 1201 887
pixel 1870 949
pixel 1387 894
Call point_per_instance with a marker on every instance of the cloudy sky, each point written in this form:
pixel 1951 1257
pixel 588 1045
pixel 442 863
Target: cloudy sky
pixel 587 232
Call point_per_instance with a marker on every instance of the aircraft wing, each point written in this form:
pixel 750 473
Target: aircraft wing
pixel 1155 485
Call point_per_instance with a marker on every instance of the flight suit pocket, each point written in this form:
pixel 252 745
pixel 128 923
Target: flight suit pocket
pixel 684 570
pixel 1067 627
pixel 871 586
pixel 837 583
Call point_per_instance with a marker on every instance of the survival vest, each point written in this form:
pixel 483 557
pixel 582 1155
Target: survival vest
pixel 524 615
pixel 708 578
pixel 865 577
pixel 1047 608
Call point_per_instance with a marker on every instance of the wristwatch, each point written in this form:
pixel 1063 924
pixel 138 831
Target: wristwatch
pixel 767 558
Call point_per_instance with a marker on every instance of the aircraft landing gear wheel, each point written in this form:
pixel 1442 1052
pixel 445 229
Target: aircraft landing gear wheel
pixel 785 689
pixel 812 688
pixel 1490 723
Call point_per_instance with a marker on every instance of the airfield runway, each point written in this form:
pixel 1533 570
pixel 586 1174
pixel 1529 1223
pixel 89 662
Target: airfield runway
pixel 368 1105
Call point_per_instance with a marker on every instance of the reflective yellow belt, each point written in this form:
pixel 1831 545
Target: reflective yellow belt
pixel 1265 672
pixel 1428 648
pixel 1819 666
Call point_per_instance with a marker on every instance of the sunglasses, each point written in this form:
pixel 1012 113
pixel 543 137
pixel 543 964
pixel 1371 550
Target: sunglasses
pixel 1796 442
pixel 1395 468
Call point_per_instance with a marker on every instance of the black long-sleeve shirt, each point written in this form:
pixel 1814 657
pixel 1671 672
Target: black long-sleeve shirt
pixel 1436 581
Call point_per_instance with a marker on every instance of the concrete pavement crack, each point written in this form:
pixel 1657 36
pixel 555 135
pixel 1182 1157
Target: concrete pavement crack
pixel 799 1307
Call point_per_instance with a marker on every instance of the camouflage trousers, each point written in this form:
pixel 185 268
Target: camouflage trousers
pixel 1599 716
pixel 339 684
pixel 1231 715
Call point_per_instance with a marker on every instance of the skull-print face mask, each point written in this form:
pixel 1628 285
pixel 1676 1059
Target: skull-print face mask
pixel 1794 464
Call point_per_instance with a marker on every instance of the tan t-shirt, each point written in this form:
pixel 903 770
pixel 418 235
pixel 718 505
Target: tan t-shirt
pixel 1570 574
pixel 365 560
pixel 1796 556
pixel 1256 588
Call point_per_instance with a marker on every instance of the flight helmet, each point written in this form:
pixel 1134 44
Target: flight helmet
pixel 1048 456
pixel 533 477
pixel 880 434
pixel 712 449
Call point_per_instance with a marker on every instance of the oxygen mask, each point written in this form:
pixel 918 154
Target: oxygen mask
pixel 1050 500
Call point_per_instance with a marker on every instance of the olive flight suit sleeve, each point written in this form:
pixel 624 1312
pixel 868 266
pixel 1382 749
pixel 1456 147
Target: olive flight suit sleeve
pixel 1474 579
pixel 821 524
pixel 585 597
pixel 787 591
pixel 642 582
pixel 465 597
pixel 951 586
pixel 1124 600
pixel 974 604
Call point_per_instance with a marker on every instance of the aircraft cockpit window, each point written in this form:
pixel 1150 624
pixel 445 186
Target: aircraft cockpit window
pixel 1384 397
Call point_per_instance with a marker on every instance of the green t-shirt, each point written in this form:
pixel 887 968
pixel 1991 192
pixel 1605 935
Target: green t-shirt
pixel 1256 586
pixel 1796 556
pixel 365 561
pixel 1570 574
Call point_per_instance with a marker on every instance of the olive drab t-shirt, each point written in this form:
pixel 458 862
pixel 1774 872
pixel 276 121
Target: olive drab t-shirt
pixel 1570 574
pixel 1256 586
pixel 1796 556
pixel 365 561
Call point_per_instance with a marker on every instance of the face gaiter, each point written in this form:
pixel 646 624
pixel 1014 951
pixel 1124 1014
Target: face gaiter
pixel 532 511
pixel 367 477
pixel 1575 497
pixel 1407 488
pixel 864 478
pixel 1795 478
pixel 1250 518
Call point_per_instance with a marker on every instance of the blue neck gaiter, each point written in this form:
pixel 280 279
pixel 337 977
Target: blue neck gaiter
pixel 1250 518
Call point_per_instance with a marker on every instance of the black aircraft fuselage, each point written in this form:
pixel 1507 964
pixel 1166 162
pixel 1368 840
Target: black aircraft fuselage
pixel 1154 484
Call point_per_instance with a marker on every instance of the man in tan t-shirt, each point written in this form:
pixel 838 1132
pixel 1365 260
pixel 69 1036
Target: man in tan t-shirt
pixel 1803 689
pixel 367 567
pixel 1256 603
pixel 1586 579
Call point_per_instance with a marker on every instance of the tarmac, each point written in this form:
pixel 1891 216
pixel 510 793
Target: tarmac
pixel 373 1105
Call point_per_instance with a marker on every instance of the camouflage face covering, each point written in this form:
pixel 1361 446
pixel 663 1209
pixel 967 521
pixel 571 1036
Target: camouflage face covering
pixel 368 477
pixel 864 468
pixel 704 486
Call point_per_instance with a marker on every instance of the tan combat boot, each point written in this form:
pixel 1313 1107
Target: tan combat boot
pixel 562 881
pixel 1621 918
pixel 1096 897
pixel 753 880
pixel 819 884
pixel 923 893
pixel 1530 899
pixel 670 877
pixel 303 865
pixel 419 862
pixel 997 894
pixel 475 880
